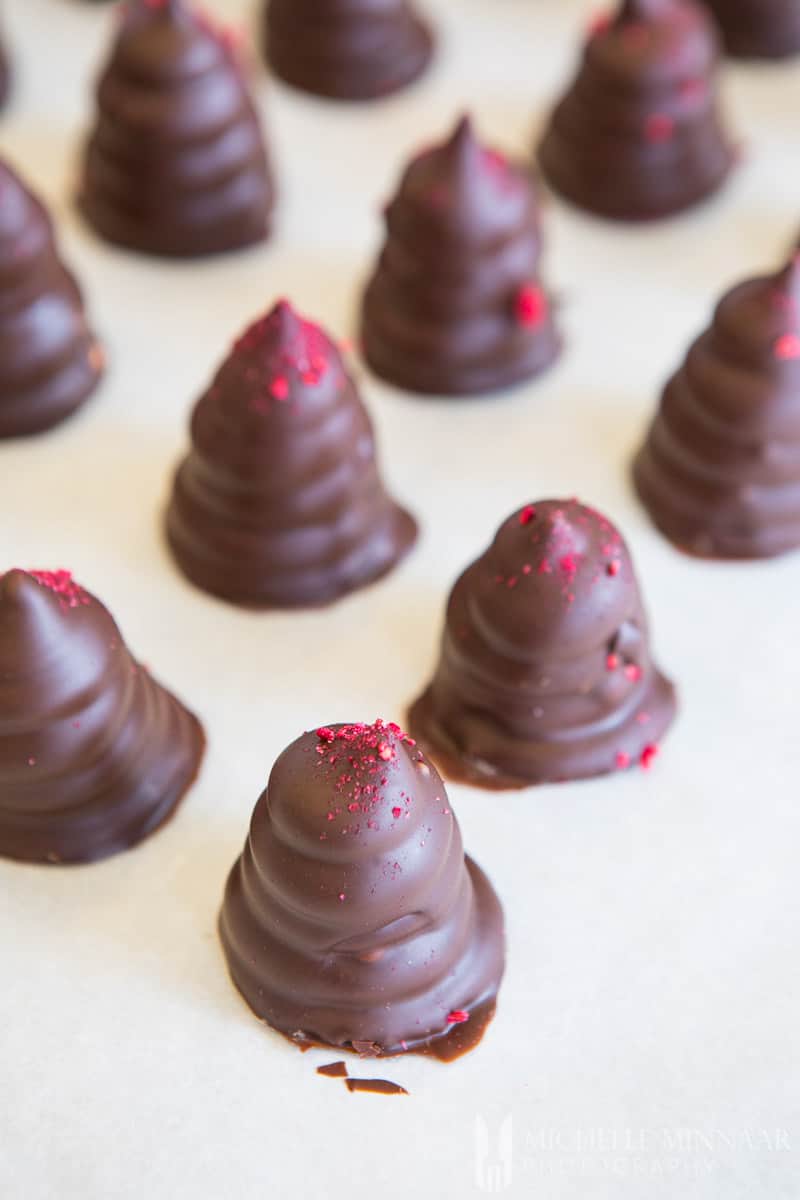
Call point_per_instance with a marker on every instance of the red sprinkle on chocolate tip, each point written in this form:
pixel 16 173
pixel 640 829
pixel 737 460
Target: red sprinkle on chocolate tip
pixel 342 896
pixel 325 734
pixel 397 813
pixel 70 593
pixel 612 662
pixel 279 388
pixel 598 24
pixel 457 1017
pixel 622 760
pixel 613 567
pixel 633 672
pixel 659 128
pixel 648 756
pixel 527 514
pixel 385 751
pixel 787 347
pixel 530 305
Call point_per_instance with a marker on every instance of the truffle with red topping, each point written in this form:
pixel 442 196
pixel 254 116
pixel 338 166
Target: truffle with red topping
pixel 545 671
pixel 638 134
pixel 456 304
pixel 352 918
pixel 94 754
pixel 50 362
pixel 346 50
pixel 279 502
pixel 719 471
pixel 758 28
pixel 176 164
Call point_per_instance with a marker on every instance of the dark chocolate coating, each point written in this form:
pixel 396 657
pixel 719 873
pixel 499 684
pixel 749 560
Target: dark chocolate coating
pixel 50 362
pixel 455 305
pixel 176 164
pixel 719 471
pixel 94 754
pixel 758 28
pixel 5 74
pixel 353 917
pixel 279 502
pixel 638 134
pixel 545 671
pixel 346 49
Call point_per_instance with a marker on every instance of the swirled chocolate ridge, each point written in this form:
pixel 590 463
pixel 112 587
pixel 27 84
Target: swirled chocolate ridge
pixel 279 502
pixel 545 671
pixel 176 164
pixel 353 918
pixel 94 754
pixel 50 362
pixel 758 28
pixel 455 305
pixel 638 133
pixel 346 49
pixel 719 471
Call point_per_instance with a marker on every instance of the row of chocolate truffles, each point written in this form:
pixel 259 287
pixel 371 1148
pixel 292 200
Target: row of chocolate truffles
pixel 354 860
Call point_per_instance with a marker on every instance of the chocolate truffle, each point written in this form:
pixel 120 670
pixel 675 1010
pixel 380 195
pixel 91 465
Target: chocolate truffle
pixel 352 918
pixel 719 471
pixel 5 74
pixel 344 49
pixel 456 305
pixel 50 361
pixel 545 671
pixel 94 754
pixel 758 28
pixel 279 502
pixel 176 164
pixel 638 134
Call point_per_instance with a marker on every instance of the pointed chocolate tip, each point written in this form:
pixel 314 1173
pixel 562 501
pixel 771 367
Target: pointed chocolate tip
pixel 16 584
pixel 462 140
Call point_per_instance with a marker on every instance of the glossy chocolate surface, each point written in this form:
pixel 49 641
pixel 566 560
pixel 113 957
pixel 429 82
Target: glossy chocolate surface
pixel 279 502
pixel 719 471
pixel 352 918
pixel 638 133
pixel 346 49
pixel 758 28
pixel 176 163
pixel 545 672
pixel 456 305
pixel 94 754
pixel 50 361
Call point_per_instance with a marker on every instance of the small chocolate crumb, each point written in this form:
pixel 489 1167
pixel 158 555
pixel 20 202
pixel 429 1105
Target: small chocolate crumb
pixel 336 1070
pixel 383 1087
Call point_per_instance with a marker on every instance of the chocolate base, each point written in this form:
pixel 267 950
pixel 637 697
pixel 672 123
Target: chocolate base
pixel 345 56
pixel 758 29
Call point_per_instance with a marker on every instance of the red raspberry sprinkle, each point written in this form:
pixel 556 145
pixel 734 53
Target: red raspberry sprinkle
pixel 397 812
pixel 612 662
pixel 623 760
pixel 787 347
pixel 613 568
pixel 279 388
pixel 457 1017
pixel 659 128
pixel 633 672
pixel 648 755
pixel 527 514
pixel 530 305
pixel 70 593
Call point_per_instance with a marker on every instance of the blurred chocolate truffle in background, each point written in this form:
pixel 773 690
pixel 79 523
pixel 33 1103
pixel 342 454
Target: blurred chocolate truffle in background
pixel 176 163
pixel 352 918
pixel 638 134
pixel 279 502
pixel 50 362
pixel 758 28
pixel 456 305
pixel 346 49
pixel 545 672
pixel 719 471
pixel 5 72
pixel 94 754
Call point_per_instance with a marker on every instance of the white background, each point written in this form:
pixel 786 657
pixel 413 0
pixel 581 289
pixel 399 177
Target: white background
pixel 651 1000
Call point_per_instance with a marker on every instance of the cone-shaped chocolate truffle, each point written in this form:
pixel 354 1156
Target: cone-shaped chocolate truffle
pixel 279 503
pixel 50 362
pixel 346 49
pixel 353 918
pixel 176 164
pixel 545 671
pixel 758 28
pixel 94 754
pixel 719 471
pixel 455 305
pixel 638 134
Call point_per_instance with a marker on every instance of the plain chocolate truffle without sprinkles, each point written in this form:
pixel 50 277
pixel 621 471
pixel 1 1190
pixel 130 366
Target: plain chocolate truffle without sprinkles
pixel 94 754
pixel 719 471
pixel 353 918
pixel 456 305
pixel 638 133
pixel 176 164
pixel 545 672
pixel 279 502
pixel 50 361
pixel 758 28
pixel 346 49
